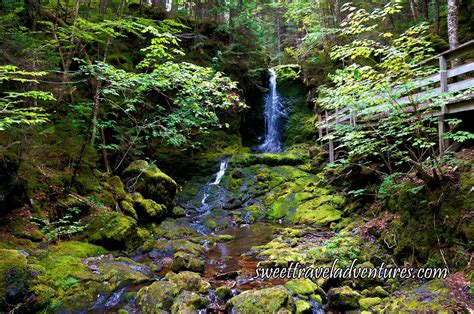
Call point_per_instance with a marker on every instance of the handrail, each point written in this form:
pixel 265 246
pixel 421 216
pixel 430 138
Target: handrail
pixel 452 53
pixel 439 78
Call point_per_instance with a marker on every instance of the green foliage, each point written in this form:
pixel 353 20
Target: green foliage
pixel 378 85
pixel 63 227
pixel 288 72
pixel 17 108
pixel 173 101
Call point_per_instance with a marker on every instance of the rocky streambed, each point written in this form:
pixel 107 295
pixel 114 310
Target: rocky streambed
pixel 257 210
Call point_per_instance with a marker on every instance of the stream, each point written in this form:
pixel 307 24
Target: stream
pixel 233 262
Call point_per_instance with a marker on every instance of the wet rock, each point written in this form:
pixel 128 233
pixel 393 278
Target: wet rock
pixel 157 297
pixel 303 288
pixel 184 261
pixel 178 212
pixel 343 298
pixel 269 300
pixel 303 307
pixel 82 276
pixel 188 302
pixel 367 303
pixel 151 182
pixel 224 293
pixel 189 281
pixel 232 203
pixel 229 275
pixel 148 209
pixel 110 229
pixel 15 278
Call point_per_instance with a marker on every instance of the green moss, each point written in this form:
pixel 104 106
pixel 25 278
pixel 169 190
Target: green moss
pixel 268 300
pixel 111 230
pixel 367 303
pixel 151 182
pixel 301 288
pixel 185 261
pixel 343 298
pixel 116 185
pixel 189 281
pixel 127 207
pixel 158 296
pixel 14 277
pixel 268 159
pixel 147 209
pixel 224 293
pixel 78 249
pixel 302 307
pixel 188 302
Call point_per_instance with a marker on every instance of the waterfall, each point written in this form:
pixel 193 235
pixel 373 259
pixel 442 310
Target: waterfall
pixel 217 180
pixel 273 115
pixel 221 172
pixel 205 208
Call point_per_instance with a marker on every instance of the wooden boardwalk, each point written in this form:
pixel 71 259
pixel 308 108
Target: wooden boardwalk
pixel 461 75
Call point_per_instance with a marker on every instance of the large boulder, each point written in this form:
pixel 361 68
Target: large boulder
pixel 189 281
pixel 343 298
pixel 151 182
pixel 14 278
pixel 188 302
pixel 111 230
pixel 157 297
pixel 269 300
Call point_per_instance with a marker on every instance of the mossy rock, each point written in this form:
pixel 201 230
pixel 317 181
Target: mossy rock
pixel 189 281
pixel 185 261
pixel 147 209
pixel 128 209
pixel 432 296
pixel 289 159
pixel 157 297
pixel 367 303
pixel 301 288
pixel 224 293
pixel 321 210
pixel 111 230
pixel 15 278
pixel 343 298
pixel 151 182
pixel 269 300
pixel 188 302
pixel 303 307
pixel 116 185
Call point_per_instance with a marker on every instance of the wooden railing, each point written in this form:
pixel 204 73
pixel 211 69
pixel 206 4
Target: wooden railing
pixel 441 84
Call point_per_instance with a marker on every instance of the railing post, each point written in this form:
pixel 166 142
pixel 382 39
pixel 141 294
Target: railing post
pixel 443 75
pixel 353 118
pixel 320 129
pixel 331 142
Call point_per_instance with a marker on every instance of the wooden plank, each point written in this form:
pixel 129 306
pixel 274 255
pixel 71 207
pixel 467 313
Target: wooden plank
pixel 460 86
pixel 451 54
pixel 462 69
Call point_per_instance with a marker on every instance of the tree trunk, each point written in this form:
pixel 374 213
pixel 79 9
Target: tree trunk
pixel 33 10
pixel 102 7
pixel 436 16
pixel 453 24
pixel 413 9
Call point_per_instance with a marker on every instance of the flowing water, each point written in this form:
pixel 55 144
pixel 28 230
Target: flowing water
pixel 233 262
pixel 274 115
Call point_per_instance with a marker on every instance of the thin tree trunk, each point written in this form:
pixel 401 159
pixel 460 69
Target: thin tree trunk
pixel 436 16
pixel 33 9
pixel 413 9
pixel 453 24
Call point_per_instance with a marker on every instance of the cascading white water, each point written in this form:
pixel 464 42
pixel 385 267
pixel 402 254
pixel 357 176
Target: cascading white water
pixel 221 172
pixel 217 180
pixel 273 115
